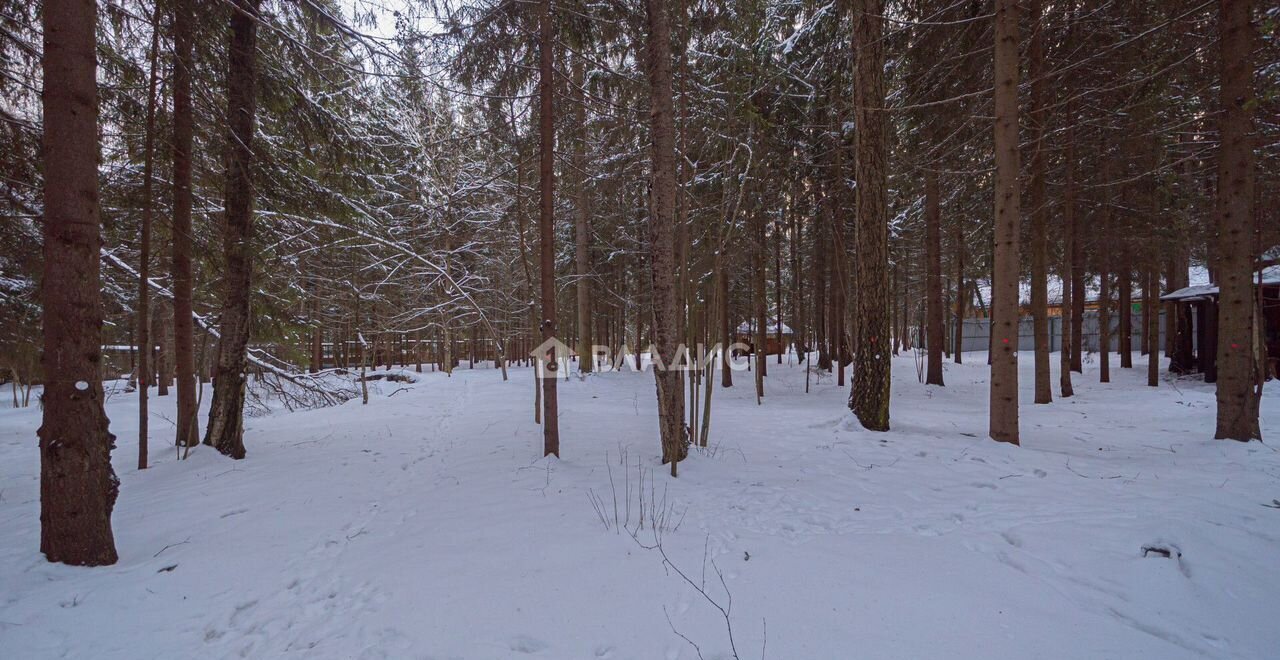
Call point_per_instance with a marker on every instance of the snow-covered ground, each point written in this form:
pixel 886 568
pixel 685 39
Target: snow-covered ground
pixel 427 525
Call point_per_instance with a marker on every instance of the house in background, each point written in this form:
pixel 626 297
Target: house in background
pixel 775 342
pixel 1200 304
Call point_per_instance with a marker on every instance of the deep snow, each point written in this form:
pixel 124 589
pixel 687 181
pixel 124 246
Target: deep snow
pixel 426 525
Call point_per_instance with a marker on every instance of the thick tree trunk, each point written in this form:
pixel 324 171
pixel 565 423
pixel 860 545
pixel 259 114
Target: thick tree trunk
pixel 1239 381
pixel 662 213
pixel 226 413
pixel 1039 208
pixel 546 226
pixel 143 322
pixel 78 488
pixel 582 223
pixel 1004 286
pixel 869 399
pixel 183 130
pixel 935 335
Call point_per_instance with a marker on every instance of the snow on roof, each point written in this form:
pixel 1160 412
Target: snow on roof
pixel 1270 275
pixel 1195 275
pixel 770 325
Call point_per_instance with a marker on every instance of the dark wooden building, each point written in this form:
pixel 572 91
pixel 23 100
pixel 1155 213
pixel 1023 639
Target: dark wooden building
pixel 1198 320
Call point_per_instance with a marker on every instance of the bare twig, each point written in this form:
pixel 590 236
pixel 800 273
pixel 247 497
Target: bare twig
pixel 171 545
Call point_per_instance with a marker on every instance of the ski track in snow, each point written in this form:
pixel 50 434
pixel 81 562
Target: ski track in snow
pixel 427 525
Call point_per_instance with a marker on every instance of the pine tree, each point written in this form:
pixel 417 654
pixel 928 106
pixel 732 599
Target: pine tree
pixel 869 399
pixel 1239 382
pixel 226 413
pixel 78 488
pixel 662 211
pixel 1004 289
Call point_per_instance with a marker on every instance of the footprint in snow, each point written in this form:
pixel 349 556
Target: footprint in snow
pixel 525 644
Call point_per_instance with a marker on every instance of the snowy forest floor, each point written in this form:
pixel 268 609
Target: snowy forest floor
pixel 426 525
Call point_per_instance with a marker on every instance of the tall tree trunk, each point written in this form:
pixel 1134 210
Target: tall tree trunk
pixel 1151 323
pixel 722 315
pixel 1178 317
pixel 760 335
pixel 226 413
pixel 546 226
pixel 1239 381
pixel 1004 286
pixel 935 335
pixel 317 333
pixel 1039 208
pixel 161 323
pixel 1104 291
pixel 662 210
pixel 962 293
pixel 777 288
pixel 1124 306
pixel 143 322
pixel 839 267
pixel 869 399
pixel 78 488
pixel 797 326
pixel 1066 267
pixel 821 241
pixel 183 130
pixel 582 224
pixel 1077 296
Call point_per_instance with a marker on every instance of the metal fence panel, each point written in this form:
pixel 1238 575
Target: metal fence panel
pixel 977 333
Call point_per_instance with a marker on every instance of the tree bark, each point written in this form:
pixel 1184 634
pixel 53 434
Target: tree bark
pixel 962 294
pixel 935 336
pixel 726 338
pixel 161 322
pixel 1124 306
pixel 666 330
pixel 546 226
pixel 183 131
pixel 143 322
pixel 1239 382
pixel 869 398
pixel 1039 208
pixel 1066 268
pixel 821 241
pixel 1104 291
pixel 226 413
pixel 760 335
pixel 582 224
pixel 1004 288
pixel 78 488
pixel 1151 323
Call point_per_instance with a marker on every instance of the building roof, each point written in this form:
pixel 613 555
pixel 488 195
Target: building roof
pixel 1270 275
pixel 770 327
